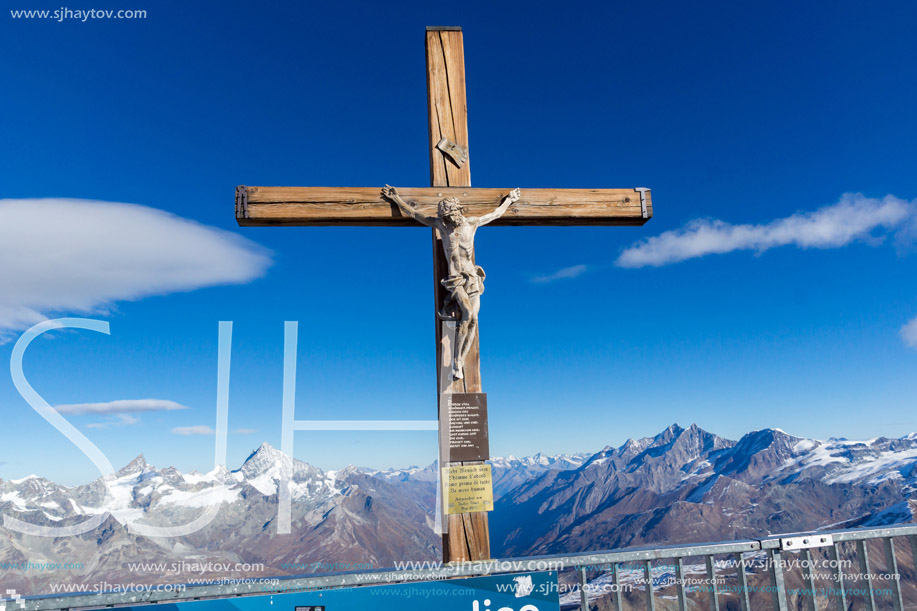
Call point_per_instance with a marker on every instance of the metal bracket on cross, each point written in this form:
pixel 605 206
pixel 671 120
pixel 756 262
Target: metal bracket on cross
pixel 242 202
pixel 643 191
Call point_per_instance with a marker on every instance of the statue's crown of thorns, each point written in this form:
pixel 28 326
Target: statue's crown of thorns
pixel 450 205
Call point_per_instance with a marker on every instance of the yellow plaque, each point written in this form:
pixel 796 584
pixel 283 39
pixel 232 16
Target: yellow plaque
pixel 468 488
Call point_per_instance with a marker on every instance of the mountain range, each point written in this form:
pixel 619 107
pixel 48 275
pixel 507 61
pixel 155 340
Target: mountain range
pixel 688 485
pixel 682 485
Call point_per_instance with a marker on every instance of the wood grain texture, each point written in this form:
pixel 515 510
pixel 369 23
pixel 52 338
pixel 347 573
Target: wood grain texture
pixel 447 113
pixel 468 537
pixel 364 206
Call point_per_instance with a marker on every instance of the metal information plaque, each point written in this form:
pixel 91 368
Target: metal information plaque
pixel 465 417
pixel 468 488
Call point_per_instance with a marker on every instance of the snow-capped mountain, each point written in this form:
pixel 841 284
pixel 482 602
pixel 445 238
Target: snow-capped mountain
pixel 138 492
pixel 413 473
pixel 690 485
pixel 345 516
pixel 509 472
pixel 678 486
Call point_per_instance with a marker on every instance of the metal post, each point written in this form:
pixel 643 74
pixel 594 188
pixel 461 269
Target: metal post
pixel 809 576
pixel 743 583
pixel 776 562
pixel 711 579
pixel 615 575
pixel 835 552
pixel 892 566
pixel 583 600
pixel 680 583
pixel 863 556
pixel 648 574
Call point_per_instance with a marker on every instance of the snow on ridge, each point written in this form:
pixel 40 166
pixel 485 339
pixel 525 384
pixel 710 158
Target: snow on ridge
pixel 196 478
pixel 849 461
pixel 877 469
pixel 264 484
pixel 202 498
pixel 24 479
pixel 15 499
pixel 540 460
pixel 833 461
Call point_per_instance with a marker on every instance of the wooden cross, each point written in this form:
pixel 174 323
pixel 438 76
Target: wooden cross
pixel 450 175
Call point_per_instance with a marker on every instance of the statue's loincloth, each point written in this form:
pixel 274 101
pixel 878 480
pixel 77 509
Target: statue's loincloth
pixel 473 284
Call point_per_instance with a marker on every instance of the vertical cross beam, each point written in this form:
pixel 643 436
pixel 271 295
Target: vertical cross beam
pixel 467 537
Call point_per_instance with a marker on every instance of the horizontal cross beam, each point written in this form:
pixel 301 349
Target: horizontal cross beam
pixel 364 206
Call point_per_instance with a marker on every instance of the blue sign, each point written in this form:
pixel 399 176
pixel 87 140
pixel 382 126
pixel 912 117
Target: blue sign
pixel 520 592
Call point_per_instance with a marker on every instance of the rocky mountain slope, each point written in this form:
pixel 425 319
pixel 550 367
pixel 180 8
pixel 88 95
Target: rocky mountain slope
pixel 682 485
pixel 346 517
pixel 687 485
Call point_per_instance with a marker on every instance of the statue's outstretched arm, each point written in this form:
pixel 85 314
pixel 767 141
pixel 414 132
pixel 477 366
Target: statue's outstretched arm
pixel 508 201
pixel 391 194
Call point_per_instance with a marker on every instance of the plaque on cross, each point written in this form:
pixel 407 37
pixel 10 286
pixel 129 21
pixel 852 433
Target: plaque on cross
pixel 467 537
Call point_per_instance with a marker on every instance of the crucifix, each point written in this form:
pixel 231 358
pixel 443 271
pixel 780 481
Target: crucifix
pixel 454 210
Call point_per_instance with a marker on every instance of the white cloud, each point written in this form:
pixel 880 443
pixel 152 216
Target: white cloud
pixel 117 420
pixel 81 256
pixel 561 274
pixel 123 406
pixel 245 431
pixel 909 333
pixel 854 217
pixel 120 413
pixel 200 429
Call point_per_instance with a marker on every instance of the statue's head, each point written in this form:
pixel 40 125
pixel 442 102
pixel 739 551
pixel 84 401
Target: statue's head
pixel 451 209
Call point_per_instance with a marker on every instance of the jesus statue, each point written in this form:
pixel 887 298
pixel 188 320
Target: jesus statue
pixel 465 281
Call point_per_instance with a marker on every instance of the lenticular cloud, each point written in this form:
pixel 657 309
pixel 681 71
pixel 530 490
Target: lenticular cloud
pixel 81 256
pixel 854 217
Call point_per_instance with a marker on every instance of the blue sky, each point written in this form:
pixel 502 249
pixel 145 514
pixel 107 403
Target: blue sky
pixel 745 120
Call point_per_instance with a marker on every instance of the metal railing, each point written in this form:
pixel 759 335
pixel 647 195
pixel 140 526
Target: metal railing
pixel 774 549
